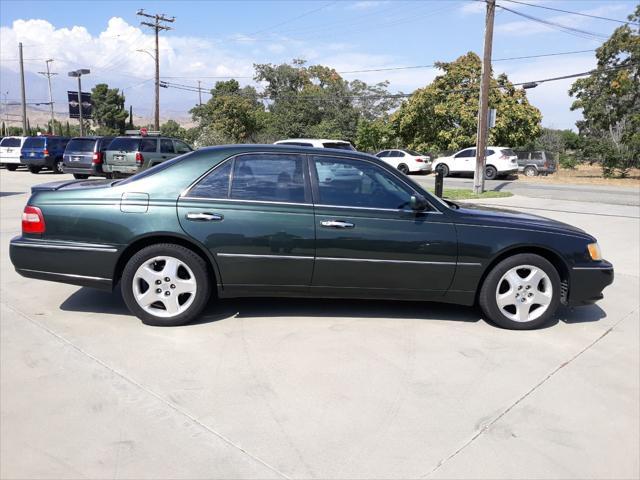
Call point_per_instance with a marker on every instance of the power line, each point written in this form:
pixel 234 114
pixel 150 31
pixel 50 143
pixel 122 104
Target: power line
pixel 292 19
pixel 558 26
pixel 597 17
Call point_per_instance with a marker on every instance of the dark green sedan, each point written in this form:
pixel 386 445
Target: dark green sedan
pixel 265 220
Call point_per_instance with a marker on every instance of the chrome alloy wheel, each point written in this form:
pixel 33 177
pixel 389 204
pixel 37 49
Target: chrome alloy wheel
pixel 524 293
pixel 164 286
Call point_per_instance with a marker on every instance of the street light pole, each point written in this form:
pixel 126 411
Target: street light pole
pixel 78 74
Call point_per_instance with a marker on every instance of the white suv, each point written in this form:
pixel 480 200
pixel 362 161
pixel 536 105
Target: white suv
pixel 407 161
pixel 10 148
pixel 317 143
pixel 500 161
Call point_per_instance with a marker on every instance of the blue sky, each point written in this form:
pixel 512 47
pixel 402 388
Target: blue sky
pixel 213 39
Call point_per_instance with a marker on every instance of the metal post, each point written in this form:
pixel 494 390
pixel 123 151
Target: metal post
pixel 80 106
pixel 439 183
pixel 481 137
pixel 157 109
pixel 24 95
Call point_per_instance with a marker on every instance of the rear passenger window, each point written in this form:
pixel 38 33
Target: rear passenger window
pixel 182 147
pixel 148 145
pixel 166 146
pixel 214 185
pixel 275 177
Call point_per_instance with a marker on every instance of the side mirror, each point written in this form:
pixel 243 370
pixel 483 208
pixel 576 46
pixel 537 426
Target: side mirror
pixel 418 202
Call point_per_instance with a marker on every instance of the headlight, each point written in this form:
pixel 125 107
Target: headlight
pixel 594 251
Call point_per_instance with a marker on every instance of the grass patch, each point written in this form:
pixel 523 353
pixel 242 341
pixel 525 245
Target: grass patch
pixel 464 194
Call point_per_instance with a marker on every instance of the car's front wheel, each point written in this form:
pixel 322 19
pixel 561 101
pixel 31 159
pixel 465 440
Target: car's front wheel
pixel 522 292
pixel 443 169
pixel 165 285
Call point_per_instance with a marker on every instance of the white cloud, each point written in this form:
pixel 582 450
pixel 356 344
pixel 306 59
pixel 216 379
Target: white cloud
pixel 365 5
pixel 472 7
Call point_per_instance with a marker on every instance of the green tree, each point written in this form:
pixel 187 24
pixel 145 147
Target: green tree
pixel 230 115
pixel 109 113
pixel 443 115
pixel 375 135
pixel 171 128
pixel 610 102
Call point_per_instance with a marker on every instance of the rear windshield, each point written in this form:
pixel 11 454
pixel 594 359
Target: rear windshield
pixel 338 145
pixel 413 152
pixel 81 145
pixel 508 152
pixel 124 144
pixel 34 142
pixel 10 142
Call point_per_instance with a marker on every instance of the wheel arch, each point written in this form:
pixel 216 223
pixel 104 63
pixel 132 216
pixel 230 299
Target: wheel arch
pixel 167 237
pixel 547 253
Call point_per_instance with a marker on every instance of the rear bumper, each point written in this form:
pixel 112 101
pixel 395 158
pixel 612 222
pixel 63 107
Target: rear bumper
pixel 86 170
pixel 588 281
pixel 10 161
pixel 37 162
pixel 421 167
pixel 508 171
pixel 87 265
pixel 120 168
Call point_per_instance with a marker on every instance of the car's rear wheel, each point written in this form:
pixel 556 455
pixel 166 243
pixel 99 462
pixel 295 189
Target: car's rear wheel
pixel 11 168
pixel 443 169
pixel 165 285
pixel 490 172
pixel 531 171
pixel 522 292
pixel 34 169
pixel 403 168
pixel 58 166
pixel 80 176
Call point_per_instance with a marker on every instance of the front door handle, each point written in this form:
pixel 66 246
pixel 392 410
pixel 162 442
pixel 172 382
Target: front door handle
pixel 336 224
pixel 204 217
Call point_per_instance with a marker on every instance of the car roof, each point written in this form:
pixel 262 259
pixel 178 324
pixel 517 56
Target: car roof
pixel 313 140
pixel 268 148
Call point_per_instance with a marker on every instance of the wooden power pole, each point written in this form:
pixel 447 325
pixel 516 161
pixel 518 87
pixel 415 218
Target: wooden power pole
pixel 25 127
pixel 483 111
pixel 49 74
pixel 159 20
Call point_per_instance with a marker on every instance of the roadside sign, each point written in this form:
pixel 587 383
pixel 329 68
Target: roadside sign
pixel 74 107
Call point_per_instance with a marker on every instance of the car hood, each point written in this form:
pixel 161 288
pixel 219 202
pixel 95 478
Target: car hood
pixel 512 219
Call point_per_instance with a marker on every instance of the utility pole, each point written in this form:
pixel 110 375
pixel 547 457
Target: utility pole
pixel 49 74
pixel 24 95
pixel 483 111
pixel 158 24
pixel 199 94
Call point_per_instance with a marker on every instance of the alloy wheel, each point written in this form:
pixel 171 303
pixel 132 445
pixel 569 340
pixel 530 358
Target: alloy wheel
pixel 524 293
pixel 164 286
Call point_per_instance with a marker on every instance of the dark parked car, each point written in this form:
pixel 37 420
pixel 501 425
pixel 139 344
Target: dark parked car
pixel 257 220
pixel 43 151
pixel 536 163
pixel 84 156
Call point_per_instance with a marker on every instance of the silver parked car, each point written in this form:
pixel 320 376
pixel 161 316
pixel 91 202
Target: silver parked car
pixel 536 163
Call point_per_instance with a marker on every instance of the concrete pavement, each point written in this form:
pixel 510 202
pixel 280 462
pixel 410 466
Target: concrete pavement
pixel 266 388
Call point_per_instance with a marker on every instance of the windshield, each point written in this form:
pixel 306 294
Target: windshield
pixel 34 142
pixel 125 144
pixel 153 170
pixel 81 145
pixel 338 145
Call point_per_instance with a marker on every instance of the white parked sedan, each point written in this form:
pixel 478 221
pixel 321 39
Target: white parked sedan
pixel 500 161
pixel 407 161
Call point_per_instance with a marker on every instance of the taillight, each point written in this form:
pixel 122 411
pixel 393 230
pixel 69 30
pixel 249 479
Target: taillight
pixel 97 158
pixel 419 160
pixel 45 152
pixel 139 159
pixel 32 220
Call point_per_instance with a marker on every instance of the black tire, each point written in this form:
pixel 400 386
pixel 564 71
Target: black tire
pixel 80 176
pixel 34 169
pixel 58 166
pixel 197 265
pixel 11 168
pixel 443 168
pixel 490 172
pixel 487 296
pixel 108 176
pixel 531 171
pixel 403 168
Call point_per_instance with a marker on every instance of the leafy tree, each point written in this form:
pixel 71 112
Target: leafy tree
pixel 373 136
pixel 443 115
pixel 610 102
pixel 232 112
pixel 109 114
pixel 171 128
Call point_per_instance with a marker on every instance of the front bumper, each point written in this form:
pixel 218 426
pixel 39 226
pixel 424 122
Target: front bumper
pixel 588 281
pixel 87 265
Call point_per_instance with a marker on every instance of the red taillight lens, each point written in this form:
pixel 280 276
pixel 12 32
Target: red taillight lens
pixel 97 158
pixel 139 159
pixel 32 220
pixel 419 160
pixel 45 152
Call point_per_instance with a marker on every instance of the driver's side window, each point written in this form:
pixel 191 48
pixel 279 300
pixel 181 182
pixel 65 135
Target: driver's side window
pixel 357 183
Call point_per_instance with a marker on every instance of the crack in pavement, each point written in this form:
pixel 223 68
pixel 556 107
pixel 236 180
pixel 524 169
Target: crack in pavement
pixel 523 397
pixel 130 380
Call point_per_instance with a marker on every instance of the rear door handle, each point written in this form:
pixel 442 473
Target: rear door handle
pixel 336 224
pixel 204 217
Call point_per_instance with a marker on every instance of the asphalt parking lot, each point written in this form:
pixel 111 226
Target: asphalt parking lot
pixel 266 388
